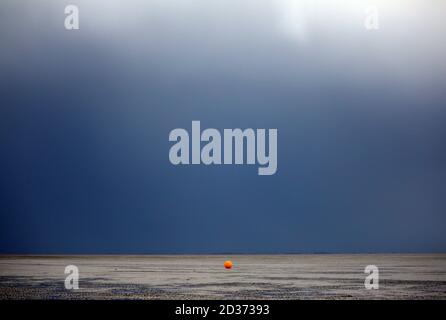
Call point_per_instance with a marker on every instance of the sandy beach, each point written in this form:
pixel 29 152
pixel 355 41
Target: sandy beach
pixel 317 276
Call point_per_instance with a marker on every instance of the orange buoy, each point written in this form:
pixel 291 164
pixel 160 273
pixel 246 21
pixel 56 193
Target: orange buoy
pixel 228 264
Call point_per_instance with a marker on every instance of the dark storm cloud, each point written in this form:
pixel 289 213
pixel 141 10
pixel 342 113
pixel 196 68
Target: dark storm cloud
pixel 85 118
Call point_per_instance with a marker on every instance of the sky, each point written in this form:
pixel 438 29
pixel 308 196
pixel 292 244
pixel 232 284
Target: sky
pixel 85 117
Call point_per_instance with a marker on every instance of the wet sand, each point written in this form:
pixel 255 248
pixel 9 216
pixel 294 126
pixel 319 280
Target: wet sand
pixel 402 276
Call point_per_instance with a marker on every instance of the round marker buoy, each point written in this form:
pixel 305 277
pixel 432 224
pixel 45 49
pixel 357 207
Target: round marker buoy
pixel 228 264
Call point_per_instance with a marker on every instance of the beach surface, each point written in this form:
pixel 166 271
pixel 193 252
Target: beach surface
pixel 315 276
